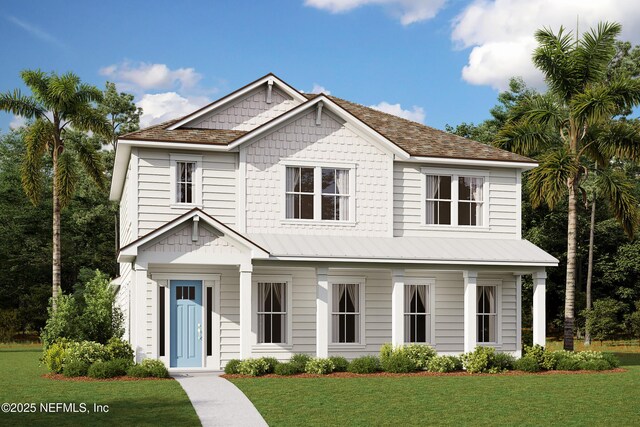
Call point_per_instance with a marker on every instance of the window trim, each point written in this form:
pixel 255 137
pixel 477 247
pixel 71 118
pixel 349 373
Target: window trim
pixel 173 180
pixel 431 284
pixel 361 282
pixel 455 174
pixel 317 166
pixel 288 280
pixel 498 285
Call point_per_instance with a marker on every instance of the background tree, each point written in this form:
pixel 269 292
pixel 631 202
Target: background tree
pixel 121 112
pixel 57 105
pixel 568 119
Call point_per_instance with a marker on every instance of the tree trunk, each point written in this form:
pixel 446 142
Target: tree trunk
pixel 56 229
pixel 572 243
pixel 587 334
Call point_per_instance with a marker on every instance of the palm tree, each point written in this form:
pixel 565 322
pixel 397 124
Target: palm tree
pixel 58 106
pixel 567 123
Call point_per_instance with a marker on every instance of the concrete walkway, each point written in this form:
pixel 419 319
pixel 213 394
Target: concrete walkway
pixel 218 402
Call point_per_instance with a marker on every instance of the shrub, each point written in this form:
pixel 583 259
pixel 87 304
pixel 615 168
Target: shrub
pixel 148 368
pixel 286 369
pixel 444 364
pixel 594 365
pixel 568 364
pixel 75 368
pixel 63 322
pixel 479 360
pixel 503 361
pixel 340 363
pixel 527 364
pixel 9 325
pixel 398 362
pixel 611 359
pixel 300 362
pixel 272 362
pixel 253 367
pixel 88 352
pixel 118 348
pixel 420 354
pixel 110 369
pixel 604 319
pixel 386 350
pixel 634 321
pixel 536 352
pixel 364 365
pixel 232 367
pixel 319 366
pixel 54 356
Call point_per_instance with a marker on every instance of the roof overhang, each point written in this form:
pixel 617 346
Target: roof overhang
pixel 474 162
pixel 269 78
pixel 129 252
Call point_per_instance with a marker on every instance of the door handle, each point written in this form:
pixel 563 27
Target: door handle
pixel 199 332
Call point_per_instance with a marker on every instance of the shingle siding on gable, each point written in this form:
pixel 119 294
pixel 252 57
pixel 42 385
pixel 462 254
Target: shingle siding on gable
pixel 330 141
pixel 248 113
pixel 181 241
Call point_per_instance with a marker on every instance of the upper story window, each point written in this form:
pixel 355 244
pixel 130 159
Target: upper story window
pixel 454 199
pixel 186 180
pixel 319 193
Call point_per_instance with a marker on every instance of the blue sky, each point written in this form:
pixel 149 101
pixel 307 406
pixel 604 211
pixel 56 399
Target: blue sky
pixel 442 61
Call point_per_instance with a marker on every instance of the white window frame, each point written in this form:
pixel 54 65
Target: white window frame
pixel 317 192
pixel 498 333
pixel 431 285
pixel 271 347
pixel 361 282
pixel 455 174
pixel 197 183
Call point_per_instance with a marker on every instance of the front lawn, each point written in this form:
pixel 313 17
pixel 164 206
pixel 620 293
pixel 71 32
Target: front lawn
pixel 148 402
pixel 557 399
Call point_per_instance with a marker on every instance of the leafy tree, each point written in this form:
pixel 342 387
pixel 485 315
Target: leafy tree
pixel 572 121
pixel 634 321
pixel 57 105
pixel 604 319
pixel 121 112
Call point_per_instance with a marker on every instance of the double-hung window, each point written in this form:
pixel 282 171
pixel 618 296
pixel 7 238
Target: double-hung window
pixel 185 191
pixel 417 314
pixel 186 180
pixel 319 193
pixel 345 313
pixel 455 199
pixel 487 302
pixel 272 313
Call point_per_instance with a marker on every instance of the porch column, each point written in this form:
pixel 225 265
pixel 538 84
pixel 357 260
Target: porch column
pixel 539 308
pixel 470 315
pixel 322 312
pixel 518 315
pixel 139 306
pixel 397 307
pixel 245 311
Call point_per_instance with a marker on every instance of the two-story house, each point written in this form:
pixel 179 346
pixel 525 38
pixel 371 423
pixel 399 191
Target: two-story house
pixel 274 222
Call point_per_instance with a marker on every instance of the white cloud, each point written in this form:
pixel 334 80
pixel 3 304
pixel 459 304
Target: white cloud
pixel 17 122
pixel 500 33
pixel 319 89
pixel 165 106
pixel 408 11
pixel 416 113
pixel 148 76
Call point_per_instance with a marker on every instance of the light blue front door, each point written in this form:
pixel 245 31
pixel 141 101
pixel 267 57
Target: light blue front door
pixel 186 323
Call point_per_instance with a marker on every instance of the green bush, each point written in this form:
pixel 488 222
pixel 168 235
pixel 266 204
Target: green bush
pixel 155 368
pixel 88 352
pixel 386 351
pixel 503 362
pixel 568 364
pixel 398 362
pixel 272 362
pixel 527 364
pixel 75 368
pixel 604 319
pixel 64 322
pixel 340 363
pixel 232 367
pixel 54 356
pixel 110 369
pixel 611 359
pixel 364 365
pixel 299 361
pixel 444 364
pixel 118 348
pixel 420 354
pixel 138 371
pixel 319 366
pixel 594 365
pixel 480 360
pixel 9 325
pixel 286 369
pixel 253 367
pixel 536 352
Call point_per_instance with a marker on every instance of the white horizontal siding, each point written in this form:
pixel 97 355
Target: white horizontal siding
pixel 408 204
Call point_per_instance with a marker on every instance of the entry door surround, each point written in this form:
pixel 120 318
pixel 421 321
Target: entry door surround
pixel 187 327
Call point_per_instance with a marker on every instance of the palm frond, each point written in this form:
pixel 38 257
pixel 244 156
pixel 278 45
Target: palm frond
pixel 604 100
pixel 523 138
pixel 17 103
pixel 62 90
pixel 66 177
pixel 548 182
pixel 38 82
pixel 595 51
pixel 88 156
pixel 615 186
pixel 621 139
pixel 36 138
pixel 553 57
pixel 89 119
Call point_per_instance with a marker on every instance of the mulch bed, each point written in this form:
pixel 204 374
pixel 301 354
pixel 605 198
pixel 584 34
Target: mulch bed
pixel 60 377
pixel 427 374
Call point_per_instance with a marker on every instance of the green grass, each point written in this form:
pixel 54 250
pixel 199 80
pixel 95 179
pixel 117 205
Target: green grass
pixel 580 399
pixel 130 403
